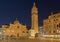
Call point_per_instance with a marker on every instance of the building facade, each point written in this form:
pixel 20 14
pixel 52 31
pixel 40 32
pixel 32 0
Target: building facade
pixel 51 25
pixel 15 29
pixel 41 31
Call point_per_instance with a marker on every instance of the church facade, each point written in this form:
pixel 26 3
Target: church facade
pixel 15 29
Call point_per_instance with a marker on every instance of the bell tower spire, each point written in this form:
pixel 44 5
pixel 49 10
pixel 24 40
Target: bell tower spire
pixel 34 4
pixel 34 8
pixel 34 13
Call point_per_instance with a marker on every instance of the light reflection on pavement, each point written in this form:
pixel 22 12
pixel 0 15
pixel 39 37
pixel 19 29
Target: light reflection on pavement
pixel 29 40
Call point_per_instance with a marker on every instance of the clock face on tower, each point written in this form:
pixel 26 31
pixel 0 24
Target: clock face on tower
pixel 34 11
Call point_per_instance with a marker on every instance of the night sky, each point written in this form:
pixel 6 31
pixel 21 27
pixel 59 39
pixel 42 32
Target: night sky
pixel 21 9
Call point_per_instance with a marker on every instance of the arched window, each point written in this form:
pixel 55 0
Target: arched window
pixel 53 31
pixel 17 26
pixel 59 24
pixel 23 31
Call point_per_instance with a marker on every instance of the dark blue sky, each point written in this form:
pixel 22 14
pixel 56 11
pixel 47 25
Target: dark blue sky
pixel 21 9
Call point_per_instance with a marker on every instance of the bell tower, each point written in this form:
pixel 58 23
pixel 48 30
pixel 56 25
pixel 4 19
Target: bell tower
pixel 34 17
